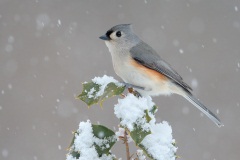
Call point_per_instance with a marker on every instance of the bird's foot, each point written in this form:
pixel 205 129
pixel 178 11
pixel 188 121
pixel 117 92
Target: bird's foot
pixel 131 89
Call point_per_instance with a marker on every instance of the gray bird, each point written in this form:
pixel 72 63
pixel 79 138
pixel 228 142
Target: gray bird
pixel 142 68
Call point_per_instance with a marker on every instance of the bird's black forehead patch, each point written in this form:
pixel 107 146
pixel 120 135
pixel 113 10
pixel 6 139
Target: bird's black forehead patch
pixel 109 32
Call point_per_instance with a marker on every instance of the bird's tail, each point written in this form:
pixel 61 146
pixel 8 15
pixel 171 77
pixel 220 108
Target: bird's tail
pixel 204 109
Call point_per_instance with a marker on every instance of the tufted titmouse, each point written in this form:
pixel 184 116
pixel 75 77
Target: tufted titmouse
pixel 142 68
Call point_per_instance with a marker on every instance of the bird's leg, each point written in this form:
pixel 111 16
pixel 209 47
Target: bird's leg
pixel 128 85
pixel 131 90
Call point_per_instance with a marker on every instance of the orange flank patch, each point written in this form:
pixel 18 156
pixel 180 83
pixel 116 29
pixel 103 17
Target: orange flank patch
pixel 149 72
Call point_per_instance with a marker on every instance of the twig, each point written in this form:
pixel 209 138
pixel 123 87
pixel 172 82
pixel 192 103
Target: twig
pixel 123 95
pixel 127 146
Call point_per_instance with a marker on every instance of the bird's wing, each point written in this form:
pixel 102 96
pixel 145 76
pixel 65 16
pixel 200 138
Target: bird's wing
pixel 146 56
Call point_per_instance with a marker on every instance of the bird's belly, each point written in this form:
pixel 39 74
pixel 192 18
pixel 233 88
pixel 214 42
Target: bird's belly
pixel 152 81
pixel 152 86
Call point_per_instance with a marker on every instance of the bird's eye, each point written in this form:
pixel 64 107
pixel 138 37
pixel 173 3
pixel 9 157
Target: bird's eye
pixel 118 34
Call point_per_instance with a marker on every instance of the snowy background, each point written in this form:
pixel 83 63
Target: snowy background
pixel 48 47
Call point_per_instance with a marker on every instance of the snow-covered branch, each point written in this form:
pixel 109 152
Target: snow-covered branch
pixel 136 116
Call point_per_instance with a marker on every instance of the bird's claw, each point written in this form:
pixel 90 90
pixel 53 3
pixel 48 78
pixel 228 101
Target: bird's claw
pixel 131 90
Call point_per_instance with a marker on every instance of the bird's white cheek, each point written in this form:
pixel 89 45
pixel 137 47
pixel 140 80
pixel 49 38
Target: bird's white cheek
pixel 108 44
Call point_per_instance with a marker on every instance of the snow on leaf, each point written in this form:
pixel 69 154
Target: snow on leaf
pixel 100 89
pixel 92 142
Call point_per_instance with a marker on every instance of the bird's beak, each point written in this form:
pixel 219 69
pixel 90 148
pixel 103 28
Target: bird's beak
pixel 105 38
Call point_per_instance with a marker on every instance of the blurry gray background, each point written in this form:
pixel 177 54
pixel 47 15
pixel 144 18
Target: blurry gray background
pixel 49 47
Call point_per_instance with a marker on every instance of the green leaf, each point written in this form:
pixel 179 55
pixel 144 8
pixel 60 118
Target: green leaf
pixel 145 151
pixel 150 156
pixel 111 90
pixel 71 147
pixel 86 97
pixel 154 109
pixel 90 91
pixel 138 134
pixel 148 118
pixel 75 154
pixel 72 141
pixel 107 136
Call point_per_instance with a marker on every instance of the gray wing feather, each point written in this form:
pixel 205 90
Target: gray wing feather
pixel 145 55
